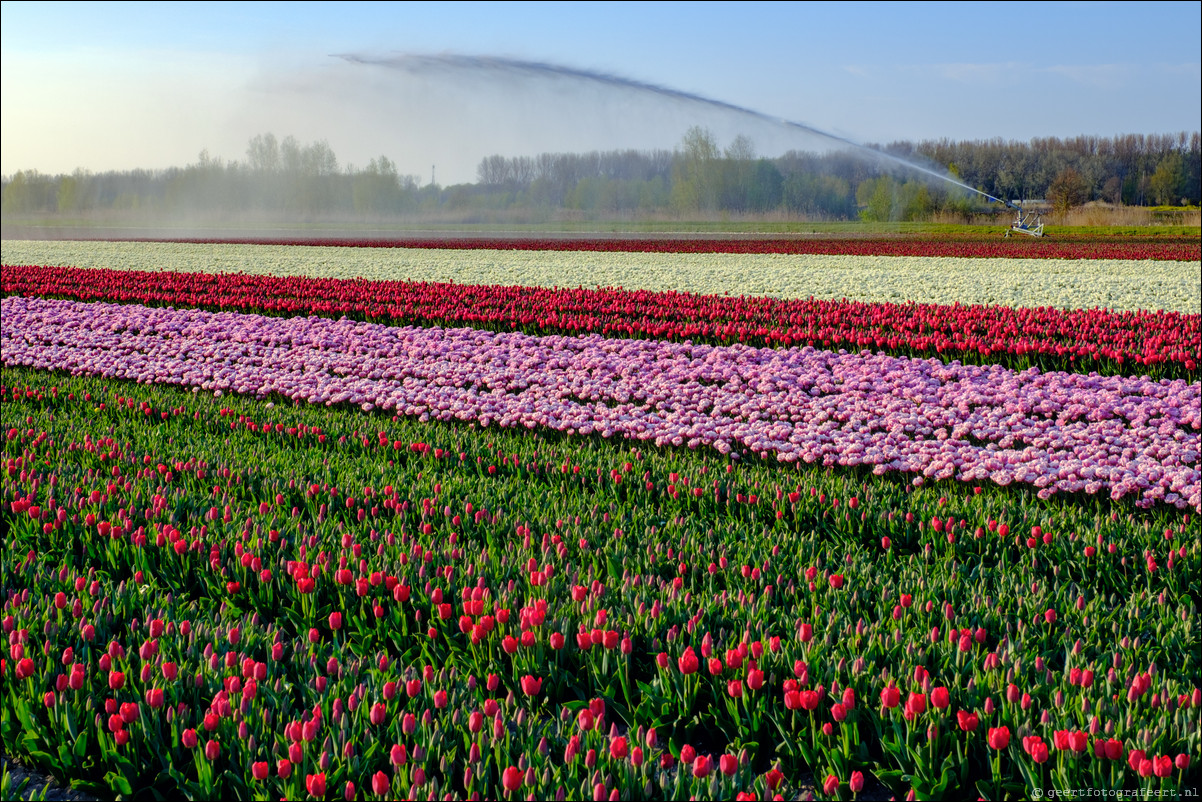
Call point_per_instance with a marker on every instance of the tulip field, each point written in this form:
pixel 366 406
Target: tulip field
pixel 437 522
pixel 1147 278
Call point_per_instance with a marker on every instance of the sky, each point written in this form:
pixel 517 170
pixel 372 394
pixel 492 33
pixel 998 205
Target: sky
pixel 433 86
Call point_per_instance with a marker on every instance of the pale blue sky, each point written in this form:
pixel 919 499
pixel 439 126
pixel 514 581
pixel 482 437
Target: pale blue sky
pixel 117 85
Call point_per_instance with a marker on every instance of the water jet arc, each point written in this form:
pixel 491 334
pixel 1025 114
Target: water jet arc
pixel 418 63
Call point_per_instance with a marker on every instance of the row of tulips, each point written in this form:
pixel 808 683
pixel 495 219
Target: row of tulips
pixel 1124 437
pixel 226 594
pixel 1160 344
pixel 1150 248
pixel 945 281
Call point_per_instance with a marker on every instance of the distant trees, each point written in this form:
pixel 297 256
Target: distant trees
pixel 29 191
pixel 695 172
pixel 1168 182
pixel 263 154
pixel 291 179
pixel 1067 190
pixel 1117 169
pixel 379 190
pixel 886 199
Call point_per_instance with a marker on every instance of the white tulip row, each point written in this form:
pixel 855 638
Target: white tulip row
pixel 1061 283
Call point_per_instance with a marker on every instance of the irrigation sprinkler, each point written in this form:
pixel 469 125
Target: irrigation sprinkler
pixel 1025 222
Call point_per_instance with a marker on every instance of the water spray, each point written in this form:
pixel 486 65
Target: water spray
pixel 1025 222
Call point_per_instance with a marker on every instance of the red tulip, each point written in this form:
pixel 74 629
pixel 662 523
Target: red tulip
pixel 380 784
pixel 998 737
pixel 1114 749
pixel 212 750
pixel 618 748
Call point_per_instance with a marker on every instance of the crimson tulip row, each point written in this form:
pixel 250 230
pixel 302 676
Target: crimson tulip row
pixel 1159 248
pixel 327 658
pixel 1165 344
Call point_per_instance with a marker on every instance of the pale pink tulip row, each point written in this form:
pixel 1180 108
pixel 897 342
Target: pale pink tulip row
pixel 1126 436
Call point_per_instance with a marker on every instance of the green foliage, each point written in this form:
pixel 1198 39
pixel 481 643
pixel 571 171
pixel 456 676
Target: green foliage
pixel 696 175
pixel 290 180
pixel 884 199
pixel 28 191
pixel 1168 182
pixel 617 525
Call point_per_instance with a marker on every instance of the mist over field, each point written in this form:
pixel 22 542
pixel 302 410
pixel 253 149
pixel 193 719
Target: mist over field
pixel 398 114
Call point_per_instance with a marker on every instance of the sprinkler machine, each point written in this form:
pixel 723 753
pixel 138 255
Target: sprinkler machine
pixel 1030 223
pixel 1025 222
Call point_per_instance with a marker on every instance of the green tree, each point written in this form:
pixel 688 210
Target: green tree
pixel 821 195
pixel 378 188
pixel 1166 184
pixel 29 191
pixel 695 174
pixel 68 194
pixel 17 195
pixel 875 196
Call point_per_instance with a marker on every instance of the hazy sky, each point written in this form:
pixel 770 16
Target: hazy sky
pixel 117 86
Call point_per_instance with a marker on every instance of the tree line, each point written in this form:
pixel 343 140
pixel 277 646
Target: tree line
pixel 288 179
